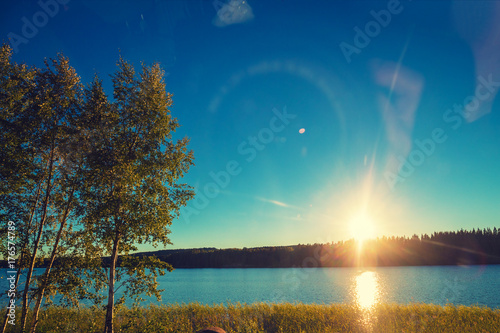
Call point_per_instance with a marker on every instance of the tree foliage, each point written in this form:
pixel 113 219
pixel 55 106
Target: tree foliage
pixel 132 190
pixel 86 177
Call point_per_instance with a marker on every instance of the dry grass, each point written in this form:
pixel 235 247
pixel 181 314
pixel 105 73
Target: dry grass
pixel 285 318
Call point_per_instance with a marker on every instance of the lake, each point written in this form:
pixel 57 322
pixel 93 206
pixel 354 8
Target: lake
pixel 434 284
pixel 467 285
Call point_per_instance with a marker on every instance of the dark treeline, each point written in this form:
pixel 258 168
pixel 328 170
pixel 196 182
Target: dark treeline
pixel 476 247
pixel 441 248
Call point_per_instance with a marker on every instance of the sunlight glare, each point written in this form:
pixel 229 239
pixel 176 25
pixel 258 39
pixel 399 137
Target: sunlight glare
pixel 361 226
pixel 367 289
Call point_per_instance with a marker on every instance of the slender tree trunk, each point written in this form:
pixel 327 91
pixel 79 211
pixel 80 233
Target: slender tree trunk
pixel 51 262
pixel 24 244
pixel 37 242
pixel 108 327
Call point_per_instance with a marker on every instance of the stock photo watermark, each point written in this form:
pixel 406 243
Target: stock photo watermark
pixel 299 275
pixel 452 290
pixel 11 271
pixel 249 148
pixel 373 28
pixel 30 26
pixel 455 116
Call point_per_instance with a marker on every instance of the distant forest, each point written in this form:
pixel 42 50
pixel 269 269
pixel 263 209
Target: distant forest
pixel 476 247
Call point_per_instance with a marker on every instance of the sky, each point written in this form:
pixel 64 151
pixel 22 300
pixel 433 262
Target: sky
pixel 309 123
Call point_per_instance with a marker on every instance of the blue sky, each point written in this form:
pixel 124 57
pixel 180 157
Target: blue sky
pixel 396 101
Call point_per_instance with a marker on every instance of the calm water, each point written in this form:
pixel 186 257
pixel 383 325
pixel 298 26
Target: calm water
pixel 438 285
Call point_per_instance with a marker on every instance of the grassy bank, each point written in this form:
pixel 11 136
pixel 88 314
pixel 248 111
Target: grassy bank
pixel 284 318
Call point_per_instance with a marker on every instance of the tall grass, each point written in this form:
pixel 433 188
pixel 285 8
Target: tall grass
pixel 282 318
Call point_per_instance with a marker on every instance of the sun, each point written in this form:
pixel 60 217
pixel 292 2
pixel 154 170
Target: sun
pixel 362 227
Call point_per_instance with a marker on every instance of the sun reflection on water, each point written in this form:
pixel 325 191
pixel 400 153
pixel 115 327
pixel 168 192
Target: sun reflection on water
pixel 367 290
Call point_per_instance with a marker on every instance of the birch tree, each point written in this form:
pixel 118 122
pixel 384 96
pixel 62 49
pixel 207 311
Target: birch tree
pixel 133 190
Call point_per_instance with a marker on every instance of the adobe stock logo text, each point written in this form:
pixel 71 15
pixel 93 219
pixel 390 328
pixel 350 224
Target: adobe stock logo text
pixel 372 29
pixel 249 149
pixel 30 27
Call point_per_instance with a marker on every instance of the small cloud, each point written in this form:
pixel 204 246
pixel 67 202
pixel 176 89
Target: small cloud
pixel 233 12
pixel 279 203
pixel 275 202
